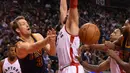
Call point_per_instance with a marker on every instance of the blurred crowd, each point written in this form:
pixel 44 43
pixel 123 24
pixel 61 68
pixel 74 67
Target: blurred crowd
pixel 41 17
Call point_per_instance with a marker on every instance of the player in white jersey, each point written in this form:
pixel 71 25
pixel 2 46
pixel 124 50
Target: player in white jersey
pixel 11 63
pixel 67 40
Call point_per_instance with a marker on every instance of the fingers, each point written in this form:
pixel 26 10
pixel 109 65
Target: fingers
pixel 85 48
pixel 49 32
pixel 52 31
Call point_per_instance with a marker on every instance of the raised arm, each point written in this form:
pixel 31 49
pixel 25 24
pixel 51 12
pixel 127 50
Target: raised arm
pixel 63 11
pixel 73 18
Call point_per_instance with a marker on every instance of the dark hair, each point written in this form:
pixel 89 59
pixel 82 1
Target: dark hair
pixel 14 23
pixel 11 45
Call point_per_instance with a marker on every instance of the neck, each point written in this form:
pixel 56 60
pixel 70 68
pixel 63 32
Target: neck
pixel 128 41
pixel 12 59
pixel 25 37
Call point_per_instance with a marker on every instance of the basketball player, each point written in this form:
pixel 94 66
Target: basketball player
pixel 67 40
pixel 30 46
pixel 11 63
pixel 109 63
pixel 122 44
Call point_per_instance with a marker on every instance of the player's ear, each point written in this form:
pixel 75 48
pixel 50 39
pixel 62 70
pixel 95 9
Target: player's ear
pixel 17 30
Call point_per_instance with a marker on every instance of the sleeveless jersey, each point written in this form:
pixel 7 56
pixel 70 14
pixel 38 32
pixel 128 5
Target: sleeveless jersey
pixel 11 68
pixel 67 48
pixel 125 50
pixel 33 63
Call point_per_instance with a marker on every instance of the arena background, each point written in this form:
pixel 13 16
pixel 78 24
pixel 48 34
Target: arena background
pixel 43 14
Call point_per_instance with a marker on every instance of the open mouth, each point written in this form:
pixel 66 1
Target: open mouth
pixel 28 29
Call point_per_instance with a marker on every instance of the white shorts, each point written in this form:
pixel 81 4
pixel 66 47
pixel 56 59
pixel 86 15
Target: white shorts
pixel 72 69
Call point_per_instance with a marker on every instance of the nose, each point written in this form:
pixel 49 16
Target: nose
pixel 111 34
pixel 123 27
pixel 27 25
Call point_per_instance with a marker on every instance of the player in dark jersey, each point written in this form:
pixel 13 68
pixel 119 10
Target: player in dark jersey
pixel 30 46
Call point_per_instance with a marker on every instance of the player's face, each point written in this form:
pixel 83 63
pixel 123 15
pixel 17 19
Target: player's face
pixel 115 35
pixel 126 28
pixel 127 24
pixel 24 27
pixel 12 52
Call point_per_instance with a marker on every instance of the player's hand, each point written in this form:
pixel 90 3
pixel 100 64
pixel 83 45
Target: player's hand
pixel 110 45
pixel 83 48
pixel 51 35
pixel 113 54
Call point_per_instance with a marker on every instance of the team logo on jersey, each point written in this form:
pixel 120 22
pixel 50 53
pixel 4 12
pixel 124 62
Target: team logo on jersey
pixel 12 69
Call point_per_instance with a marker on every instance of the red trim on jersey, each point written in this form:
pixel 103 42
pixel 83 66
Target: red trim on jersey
pixel 71 50
pixel 71 54
pixel 70 33
pixel 121 70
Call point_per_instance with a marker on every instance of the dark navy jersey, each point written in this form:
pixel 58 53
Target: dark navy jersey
pixel 33 63
pixel 125 53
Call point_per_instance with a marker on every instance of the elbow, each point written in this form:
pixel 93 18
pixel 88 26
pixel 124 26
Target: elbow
pixel 97 70
pixel 52 54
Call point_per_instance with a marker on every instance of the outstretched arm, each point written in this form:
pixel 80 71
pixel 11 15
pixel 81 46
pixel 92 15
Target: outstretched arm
pixel 73 18
pixel 97 68
pixel 24 48
pixel 104 47
pixel 63 11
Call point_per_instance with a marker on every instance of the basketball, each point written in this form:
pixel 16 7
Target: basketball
pixel 89 33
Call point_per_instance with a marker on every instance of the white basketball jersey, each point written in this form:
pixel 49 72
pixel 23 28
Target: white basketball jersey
pixel 63 47
pixel 11 68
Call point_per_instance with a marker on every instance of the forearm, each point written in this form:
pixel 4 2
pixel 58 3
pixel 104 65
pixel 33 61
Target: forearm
pixel 63 11
pixel 74 15
pixel 63 6
pixel 90 67
pixel 104 47
pixel 52 50
pixel 124 65
pixel 100 47
pixel 37 46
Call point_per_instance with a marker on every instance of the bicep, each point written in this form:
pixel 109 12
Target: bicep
pixel 73 16
pixel 73 21
pixel 47 47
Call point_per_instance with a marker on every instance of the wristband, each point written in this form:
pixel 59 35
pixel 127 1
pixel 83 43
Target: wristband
pixel 73 3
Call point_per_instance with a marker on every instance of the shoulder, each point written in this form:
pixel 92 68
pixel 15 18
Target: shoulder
pixel 38 36
pixel 2 62
pixel 21 50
